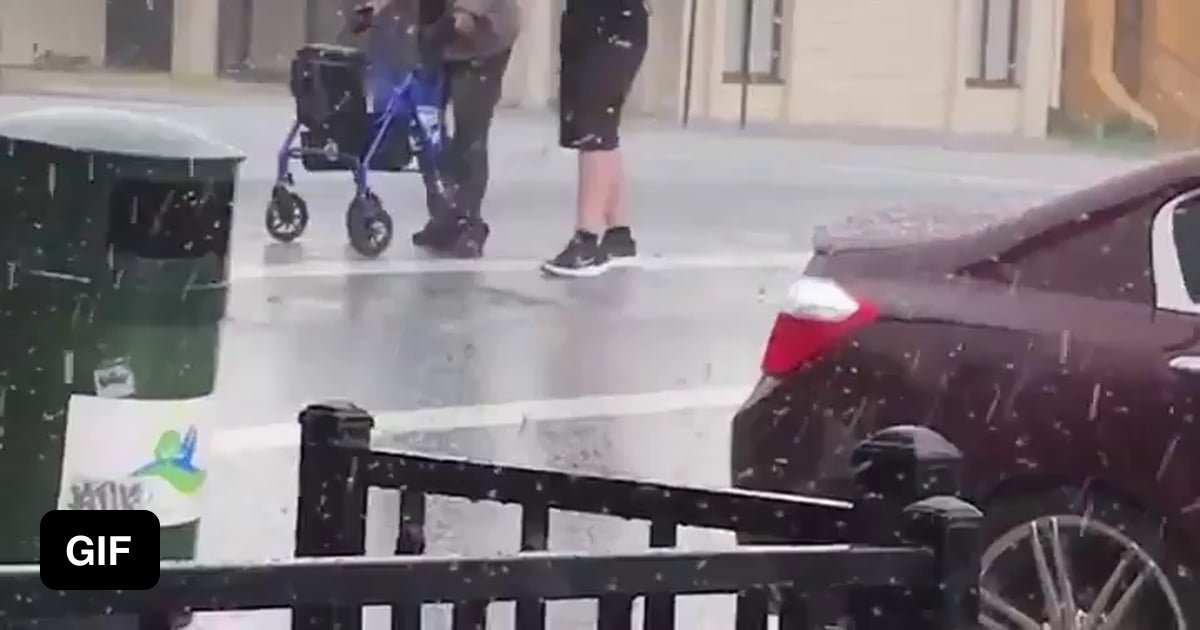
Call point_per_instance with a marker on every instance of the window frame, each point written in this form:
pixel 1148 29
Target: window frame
pixel 978 76
pixel 774 75
pixel 1170 288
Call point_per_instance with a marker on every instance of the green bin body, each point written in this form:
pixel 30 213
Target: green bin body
pixel 114 247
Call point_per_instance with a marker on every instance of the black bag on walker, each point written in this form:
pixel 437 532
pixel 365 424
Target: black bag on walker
pixel 327 82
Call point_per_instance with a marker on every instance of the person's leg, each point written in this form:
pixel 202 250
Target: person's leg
pixel 618 241
pixel 473 90
pixel 442 215
pixel 598 172
pixel 582 255
pixel 616 211
pixel 474 95
pixel 595 80
pixel 601 205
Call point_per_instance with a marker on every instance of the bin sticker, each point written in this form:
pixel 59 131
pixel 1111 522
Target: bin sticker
pixel 123 454
pixel 114 379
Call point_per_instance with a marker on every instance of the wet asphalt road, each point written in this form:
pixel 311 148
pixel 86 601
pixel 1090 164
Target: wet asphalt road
pixel 635 373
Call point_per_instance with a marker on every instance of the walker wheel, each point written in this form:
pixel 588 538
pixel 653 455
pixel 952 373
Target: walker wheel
pixel 369 226
pixel 287 215
pixel 367 200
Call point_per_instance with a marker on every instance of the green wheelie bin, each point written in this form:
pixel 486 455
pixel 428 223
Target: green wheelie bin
pixel 114 242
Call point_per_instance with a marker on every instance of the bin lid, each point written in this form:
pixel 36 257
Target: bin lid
pixel 105 130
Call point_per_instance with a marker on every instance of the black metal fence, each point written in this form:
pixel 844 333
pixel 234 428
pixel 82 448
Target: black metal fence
pixel 905 555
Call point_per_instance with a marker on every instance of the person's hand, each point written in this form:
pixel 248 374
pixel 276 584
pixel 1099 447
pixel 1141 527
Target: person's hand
pixel 361 18
pixel 464 22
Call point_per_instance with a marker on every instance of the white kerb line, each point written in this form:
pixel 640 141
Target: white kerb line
pixel 339 268
pixel 287 435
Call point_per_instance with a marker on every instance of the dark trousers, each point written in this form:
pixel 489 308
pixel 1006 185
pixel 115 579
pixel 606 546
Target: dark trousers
pixel 472 91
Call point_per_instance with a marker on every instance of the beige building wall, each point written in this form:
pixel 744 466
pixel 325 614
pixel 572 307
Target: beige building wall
pixel 532 70
pixel 276 32
pixel 195 37
pixel 658 89
pixel 885 63
pixel 28 27
pixel 532 77
pixel 875 61
pixel 712 97
pixel 1024 110
pixel 849 62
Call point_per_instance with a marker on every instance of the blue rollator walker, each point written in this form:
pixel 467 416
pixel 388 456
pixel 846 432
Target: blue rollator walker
pixel 403 130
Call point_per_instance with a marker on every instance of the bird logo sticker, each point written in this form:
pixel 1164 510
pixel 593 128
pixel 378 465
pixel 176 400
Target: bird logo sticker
pixel 173 462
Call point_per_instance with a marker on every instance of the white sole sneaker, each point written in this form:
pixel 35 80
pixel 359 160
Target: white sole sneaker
pixel 576 272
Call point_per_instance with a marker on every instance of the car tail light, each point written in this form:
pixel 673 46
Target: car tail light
pixel 818 314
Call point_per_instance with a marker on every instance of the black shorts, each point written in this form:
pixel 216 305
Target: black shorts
pixel 602 51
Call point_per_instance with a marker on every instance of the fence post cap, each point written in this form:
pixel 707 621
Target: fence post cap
pixel 919 443
pixel 335 421
pixel 905 463
pixel 944 508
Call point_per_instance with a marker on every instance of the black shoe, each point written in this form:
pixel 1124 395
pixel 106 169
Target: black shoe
pixel 618 243
pixel 435 235
pixel 581 258
pixel 467 239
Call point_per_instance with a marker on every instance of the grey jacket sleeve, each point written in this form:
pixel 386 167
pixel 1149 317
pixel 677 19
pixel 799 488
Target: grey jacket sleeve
pixel 504 23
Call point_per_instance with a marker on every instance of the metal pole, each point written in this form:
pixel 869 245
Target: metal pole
pixel 310 22
pixel 689 64
pixel 747 33
pixel 245 36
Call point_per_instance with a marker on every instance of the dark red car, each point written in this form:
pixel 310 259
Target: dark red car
pixel 1059 348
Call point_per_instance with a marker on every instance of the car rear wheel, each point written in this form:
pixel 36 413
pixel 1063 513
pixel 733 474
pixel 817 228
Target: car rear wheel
pixel 1068 560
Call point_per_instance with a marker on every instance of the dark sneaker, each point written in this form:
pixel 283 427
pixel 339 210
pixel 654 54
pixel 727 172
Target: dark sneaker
pixel 581 258
pixel 442 226
pixel 618 243
pixel 435 235
pixel 463 238
pixel 467 239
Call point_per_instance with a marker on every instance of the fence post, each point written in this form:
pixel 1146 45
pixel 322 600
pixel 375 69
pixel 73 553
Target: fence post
pixel 952 528
pixel 331 506
pixel 895 468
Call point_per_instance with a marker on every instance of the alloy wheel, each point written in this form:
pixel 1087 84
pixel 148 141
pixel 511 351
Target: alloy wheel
pixel 1071 572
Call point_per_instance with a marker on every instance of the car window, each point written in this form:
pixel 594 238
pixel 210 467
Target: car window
pixel 1103 257
pixel 1175 237
pixel 1186 231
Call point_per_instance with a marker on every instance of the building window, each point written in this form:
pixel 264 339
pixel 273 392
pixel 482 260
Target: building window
pixel 997 51
pixel 765 41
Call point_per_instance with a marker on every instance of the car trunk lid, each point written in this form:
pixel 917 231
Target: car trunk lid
pixel 901 241
pixel 842 288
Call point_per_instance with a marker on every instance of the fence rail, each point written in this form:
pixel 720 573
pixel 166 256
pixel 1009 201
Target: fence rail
pixel 547 575
pixel 904 556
